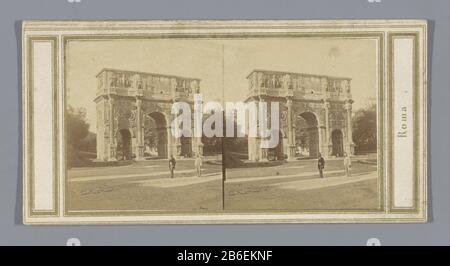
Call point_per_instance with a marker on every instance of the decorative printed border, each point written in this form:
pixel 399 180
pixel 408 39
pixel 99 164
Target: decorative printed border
pixel 416 124
pixel 29 133
pixel 79 30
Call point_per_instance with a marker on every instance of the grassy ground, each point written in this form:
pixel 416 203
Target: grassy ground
pixel 119 188
pixel 290 186
pixel 270 194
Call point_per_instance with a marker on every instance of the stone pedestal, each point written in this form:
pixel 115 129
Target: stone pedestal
pixel 291 153
pixel 112 153
pixel 200 149
pixel 140 153
pixel 264 155
pixel 178 150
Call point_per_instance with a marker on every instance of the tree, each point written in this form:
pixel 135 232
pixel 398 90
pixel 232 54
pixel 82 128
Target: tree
pixel 77 130
pixel 301 133
pixel 150 133
pixel 365 129
pixel 89 143
pixel 77 126
pixel 235 143
pixel 212 145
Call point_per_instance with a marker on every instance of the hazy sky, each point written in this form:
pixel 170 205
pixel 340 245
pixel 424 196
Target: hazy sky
pixel 220 63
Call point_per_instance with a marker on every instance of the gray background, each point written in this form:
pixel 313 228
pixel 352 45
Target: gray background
pixel 12 232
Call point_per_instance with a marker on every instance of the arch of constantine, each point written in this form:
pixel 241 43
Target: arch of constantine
pixel 134 108
pixel 315 113
pixel 134 113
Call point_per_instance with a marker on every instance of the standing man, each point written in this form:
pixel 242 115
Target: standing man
pixel 321 165
pixel 347 164
pixel 172 163
pixel 198 165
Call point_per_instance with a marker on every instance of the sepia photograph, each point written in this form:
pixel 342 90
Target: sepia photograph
pixel 122 154
pixel 326 154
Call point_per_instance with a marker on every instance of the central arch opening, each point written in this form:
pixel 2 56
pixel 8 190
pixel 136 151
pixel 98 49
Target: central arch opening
pixel 155 135
pixel 124 145
pixel 307 135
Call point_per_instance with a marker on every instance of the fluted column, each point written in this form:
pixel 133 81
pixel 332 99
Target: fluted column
pixel 263 151
pixel 112 140
pixel 252 128
pixel 291 134
pixel 327 129
pixel 350 144
pixel 320 134
pixel 197 144
pixel 139 138
pixel 177 147
pixel 169 142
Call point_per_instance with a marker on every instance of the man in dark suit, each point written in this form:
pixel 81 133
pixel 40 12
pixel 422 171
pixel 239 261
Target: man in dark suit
pixel 172 163
pixel 321 165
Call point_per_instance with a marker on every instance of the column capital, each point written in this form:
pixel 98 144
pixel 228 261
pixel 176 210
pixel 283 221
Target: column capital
pixel 138 101
pixel 348 104
pixel 139 92
pixel 255 98
pixel 289 100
